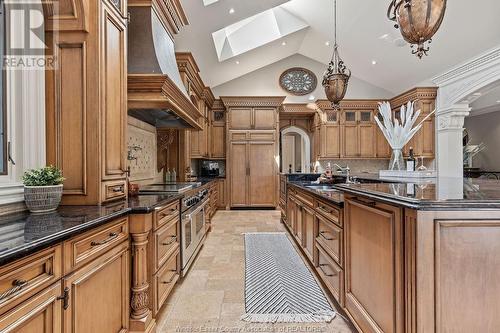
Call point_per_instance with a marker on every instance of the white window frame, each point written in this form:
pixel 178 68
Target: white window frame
pixel 25 108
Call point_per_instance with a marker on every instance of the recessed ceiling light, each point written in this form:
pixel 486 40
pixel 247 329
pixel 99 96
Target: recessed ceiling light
pixel 374 62
pixel 498 101
pixel 327 43
pixel 237 62
pixel 477 94
pixel 384 36
pixel 312 98
pixel 283 43
pixel 231 11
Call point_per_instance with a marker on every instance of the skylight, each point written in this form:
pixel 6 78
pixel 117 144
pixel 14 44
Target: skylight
pixel 255 31
pixel 209 2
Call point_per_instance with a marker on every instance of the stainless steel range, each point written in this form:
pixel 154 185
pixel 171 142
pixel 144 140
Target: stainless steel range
pixel 193 220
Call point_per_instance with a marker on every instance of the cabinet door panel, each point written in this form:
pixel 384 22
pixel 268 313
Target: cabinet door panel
pixel 383 148
pixel 240 118
pixel 264 119
pixel 38 314
pixel 221 194
pixel 309 232
pixel 262 181
pixel 367 141
pixel 238 174
pixel 218 141
pixel 115 85
pixel 330 141
pixel 99 294
pixel 350 141
pixel 373 236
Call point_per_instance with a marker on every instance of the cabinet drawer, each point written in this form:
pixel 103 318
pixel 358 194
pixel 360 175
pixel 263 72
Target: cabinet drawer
pixel 166 242
pixel 331 213
pixel 40 313
pixel 165 280
pixel 331 274
pixel 23 278
pixel 330 237
pixel 305 198
pixel 237 136
pixel 84 248
pixel 163 215
pixel 262 136
pixel 114 190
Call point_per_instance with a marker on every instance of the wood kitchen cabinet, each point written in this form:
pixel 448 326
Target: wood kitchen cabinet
pixel 330 140
pixel 38 314
pixel 374 243
pixel 423 143
pixel 221 199
pixel 252 136
pixel 90 294
pixel 86 100
pixel 218 130
pixel 358 137
pixel 309 231
pixel 253 174
pixel 99 293
pixel 253 118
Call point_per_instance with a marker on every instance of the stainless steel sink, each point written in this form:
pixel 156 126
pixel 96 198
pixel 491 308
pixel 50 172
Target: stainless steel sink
pixel 321 188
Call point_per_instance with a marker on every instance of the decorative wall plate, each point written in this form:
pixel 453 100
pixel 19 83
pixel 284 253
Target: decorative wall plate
pixel 298 81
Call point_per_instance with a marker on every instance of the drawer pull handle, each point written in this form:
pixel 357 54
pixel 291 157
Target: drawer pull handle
pixel 17 285
pixel 112 236
pixel 324 272
pixel 171 279
pixel 117 189
pixel 172 240
pixel 324 233
pixel 65 298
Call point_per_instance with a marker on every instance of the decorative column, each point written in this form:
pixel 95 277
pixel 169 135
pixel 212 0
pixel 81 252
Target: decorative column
pixel 141 318
pixel 449 150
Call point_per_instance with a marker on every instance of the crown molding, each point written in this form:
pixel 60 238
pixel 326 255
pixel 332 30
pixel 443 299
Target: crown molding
pixel 298 108
pixel 252 101
pixel 479 63
pixel 170 13
pixel 218 105
pixel 188 67
pixel 419 93
pixel 209 97
pixel 353 104
pixel 486 110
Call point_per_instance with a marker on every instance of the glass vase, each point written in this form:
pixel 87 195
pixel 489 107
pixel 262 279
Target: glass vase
pixel 397 162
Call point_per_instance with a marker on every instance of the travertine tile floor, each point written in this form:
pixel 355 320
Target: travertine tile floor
pixel 211 297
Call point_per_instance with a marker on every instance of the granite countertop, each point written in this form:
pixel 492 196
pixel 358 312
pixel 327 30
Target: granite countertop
pixel 423 194
pixel 335 196
pixel 23 233
pixel 438 193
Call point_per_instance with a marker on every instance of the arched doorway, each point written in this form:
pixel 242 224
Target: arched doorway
pixel 458 88
pixel 295 150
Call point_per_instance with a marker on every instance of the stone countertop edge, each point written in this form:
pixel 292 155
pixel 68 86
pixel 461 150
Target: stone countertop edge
pixel 33 246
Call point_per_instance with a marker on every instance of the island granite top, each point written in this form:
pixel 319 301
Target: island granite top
pixel 423 194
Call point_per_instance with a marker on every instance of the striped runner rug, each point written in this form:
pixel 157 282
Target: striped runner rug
pixel 279 288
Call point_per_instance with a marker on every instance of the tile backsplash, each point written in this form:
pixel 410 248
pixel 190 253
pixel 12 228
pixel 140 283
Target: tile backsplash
pixel 141 145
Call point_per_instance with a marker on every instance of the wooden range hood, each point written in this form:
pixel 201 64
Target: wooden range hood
pixel 156 93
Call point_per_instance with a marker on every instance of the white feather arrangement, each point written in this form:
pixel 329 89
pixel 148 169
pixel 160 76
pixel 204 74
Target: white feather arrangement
pixel 398 134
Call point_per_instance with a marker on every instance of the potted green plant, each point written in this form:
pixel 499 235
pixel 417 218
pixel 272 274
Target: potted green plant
pixel 43 189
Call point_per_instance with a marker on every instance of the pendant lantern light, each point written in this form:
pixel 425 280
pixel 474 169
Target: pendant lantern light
pixel 336 77
pixel 418 21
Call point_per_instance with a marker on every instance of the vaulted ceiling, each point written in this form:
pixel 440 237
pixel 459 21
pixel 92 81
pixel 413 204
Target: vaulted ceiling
pixel 245 41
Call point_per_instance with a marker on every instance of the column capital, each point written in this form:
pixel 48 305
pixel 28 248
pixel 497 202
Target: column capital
pixel 452 118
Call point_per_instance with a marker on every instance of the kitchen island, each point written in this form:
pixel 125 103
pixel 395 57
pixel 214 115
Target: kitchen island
pixel 401 256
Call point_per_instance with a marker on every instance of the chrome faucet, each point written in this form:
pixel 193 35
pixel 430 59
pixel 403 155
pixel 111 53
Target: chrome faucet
pixel 347 171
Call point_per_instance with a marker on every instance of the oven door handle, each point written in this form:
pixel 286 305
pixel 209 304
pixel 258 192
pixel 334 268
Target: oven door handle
pixel 197 210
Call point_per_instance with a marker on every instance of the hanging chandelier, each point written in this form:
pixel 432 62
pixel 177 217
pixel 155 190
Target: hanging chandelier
pixel 418 21
pixel 336 77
